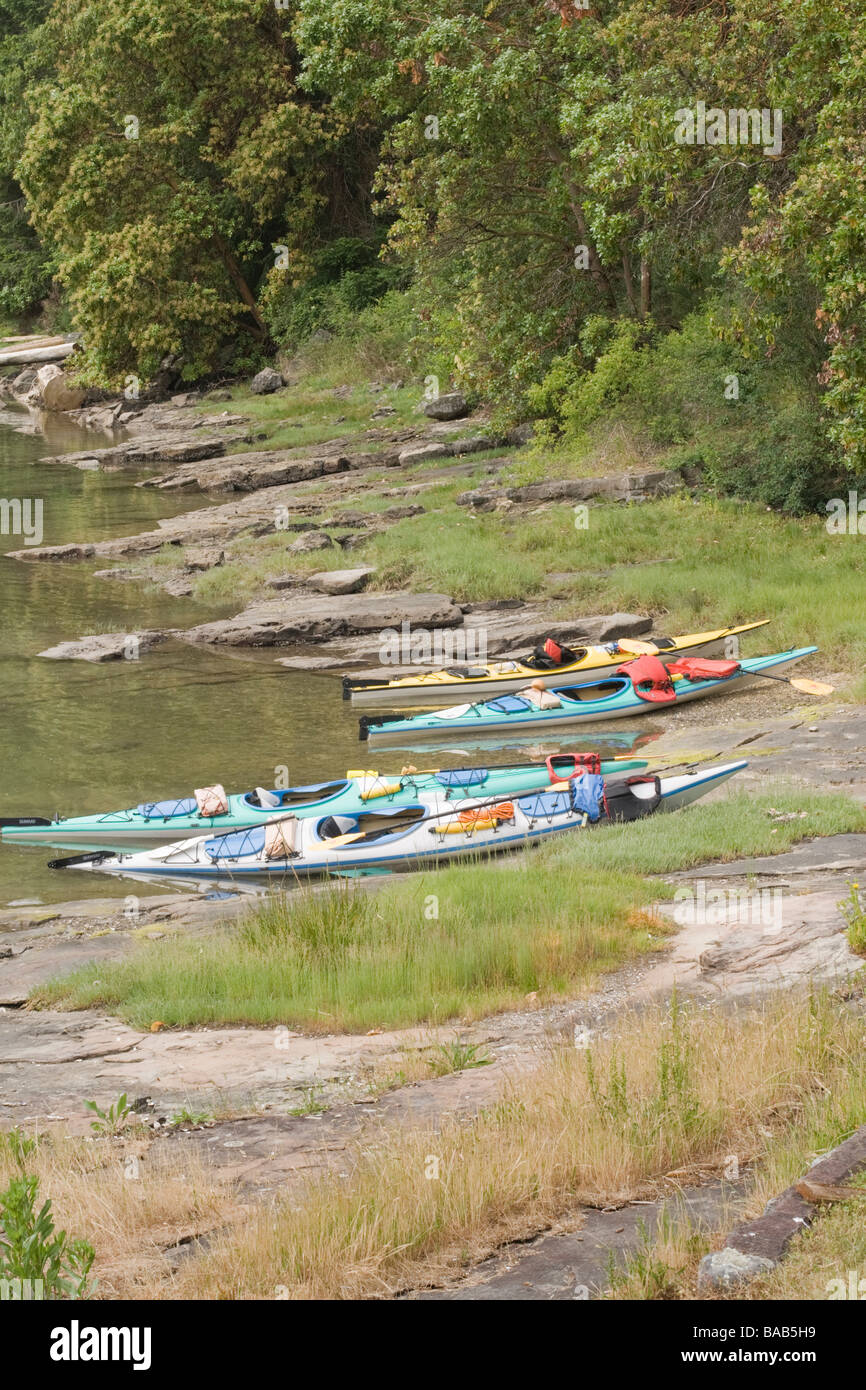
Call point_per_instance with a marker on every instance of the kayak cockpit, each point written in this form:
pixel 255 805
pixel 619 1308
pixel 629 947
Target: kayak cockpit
pixel 293 796
pixel 370 825
pixel 594 690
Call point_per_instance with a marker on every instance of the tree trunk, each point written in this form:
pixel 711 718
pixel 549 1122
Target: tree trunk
pixel 596 269
pixel 240 283
pixel 645 287
pixel 629 285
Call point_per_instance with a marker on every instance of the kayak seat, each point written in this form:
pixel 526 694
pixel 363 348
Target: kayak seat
pixel 293 796
pixel 167 810
pixel 332 826
pixel 236 843
pixel 373 825
pixel 551 655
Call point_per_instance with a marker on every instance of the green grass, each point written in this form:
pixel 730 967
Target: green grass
pixel 349 960
pixel 460 943
pixel 725 562
pixel 731 828
pixel 853 911
pixel 311 413
pixel 692 563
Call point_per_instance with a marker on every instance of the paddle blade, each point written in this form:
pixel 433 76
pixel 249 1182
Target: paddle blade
pixel 347 839
pixel 812 687
pixel 636 648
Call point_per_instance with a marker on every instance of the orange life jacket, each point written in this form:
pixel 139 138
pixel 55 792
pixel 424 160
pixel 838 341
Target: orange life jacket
pixel 649 679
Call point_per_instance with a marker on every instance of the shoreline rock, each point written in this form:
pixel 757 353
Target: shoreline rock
pixel 107 646
pixel 622 487
pixel 287 619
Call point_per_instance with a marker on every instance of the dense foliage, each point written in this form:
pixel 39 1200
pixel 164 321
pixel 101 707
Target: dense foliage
pixel 585 217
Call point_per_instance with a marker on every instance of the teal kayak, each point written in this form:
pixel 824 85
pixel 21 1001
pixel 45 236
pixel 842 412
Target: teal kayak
pixel 162 822
pixel 613 697
pixel 428 832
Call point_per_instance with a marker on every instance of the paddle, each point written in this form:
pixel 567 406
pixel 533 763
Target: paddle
pixel 798 682
pixel 22 821
pixel 410 771
pixel 637 648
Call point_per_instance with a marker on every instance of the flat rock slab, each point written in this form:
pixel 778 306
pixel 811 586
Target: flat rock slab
pixel 741 941
pixel 575 1265
pixel 50 1060
pixel 162 449
pixel 314 618
pixel 618 487
pixel 106 646
pixel 25 971
pixel 248 472
pixel 807 946
pixel 341 581
pixel 484 632
pixel 263 1153
pixel 68 1038
pixel 431 450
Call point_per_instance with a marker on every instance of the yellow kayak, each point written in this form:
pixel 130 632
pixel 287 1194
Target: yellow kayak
pixel 505 676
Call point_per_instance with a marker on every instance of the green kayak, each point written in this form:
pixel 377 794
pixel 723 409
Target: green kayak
pixel 154 823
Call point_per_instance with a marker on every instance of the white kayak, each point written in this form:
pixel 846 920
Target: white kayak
pixel 431 831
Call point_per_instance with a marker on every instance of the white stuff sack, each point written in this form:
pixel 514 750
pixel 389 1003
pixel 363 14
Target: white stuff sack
pixel 212 801
pixel 280 838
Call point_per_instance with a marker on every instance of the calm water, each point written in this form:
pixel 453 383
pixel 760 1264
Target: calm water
pixel 78 738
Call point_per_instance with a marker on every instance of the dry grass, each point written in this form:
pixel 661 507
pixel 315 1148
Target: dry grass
pixel 129 1220
pixel 669 1090
pixel 667 1265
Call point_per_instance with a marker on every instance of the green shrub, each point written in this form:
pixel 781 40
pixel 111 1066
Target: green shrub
pixel 752 427
pixel 33 1253
pixel 349 277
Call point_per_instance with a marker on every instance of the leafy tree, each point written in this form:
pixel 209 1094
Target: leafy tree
pixel 25 267
pixel 170 151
